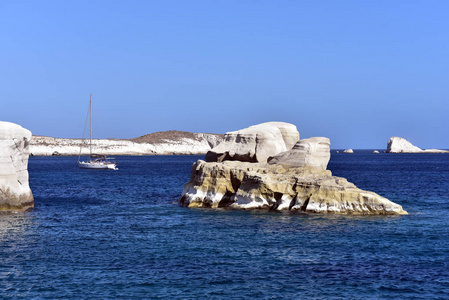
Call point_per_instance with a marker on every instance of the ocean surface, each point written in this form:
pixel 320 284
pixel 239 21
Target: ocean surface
pixel 122 234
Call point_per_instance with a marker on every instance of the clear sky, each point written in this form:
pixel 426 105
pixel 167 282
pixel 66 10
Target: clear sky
pixel 356 72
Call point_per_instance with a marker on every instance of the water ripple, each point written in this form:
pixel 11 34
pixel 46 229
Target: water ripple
pixel 123 235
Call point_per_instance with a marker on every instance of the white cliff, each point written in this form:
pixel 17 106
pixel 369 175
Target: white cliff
pixel 159 143
pixel 15 192
pixel 255 143
pixel 400 145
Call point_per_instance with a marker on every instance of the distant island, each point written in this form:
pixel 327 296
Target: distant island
pixel 171 142
pixel 400 145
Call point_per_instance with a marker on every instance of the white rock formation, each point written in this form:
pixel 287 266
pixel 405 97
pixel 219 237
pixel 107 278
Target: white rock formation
pixel 15 192
pixel 256 143
pixel 400 145
pixel 313 152
pixel 434 151
pixel 185 143
pixel 375 151
pixel 348 151
pixel 289 133
pixel 292 180
pixel 243 185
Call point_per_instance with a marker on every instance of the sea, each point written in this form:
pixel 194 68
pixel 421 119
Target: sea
pixel 103 234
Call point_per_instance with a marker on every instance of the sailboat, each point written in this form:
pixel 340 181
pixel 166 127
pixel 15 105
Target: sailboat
pixel 96 161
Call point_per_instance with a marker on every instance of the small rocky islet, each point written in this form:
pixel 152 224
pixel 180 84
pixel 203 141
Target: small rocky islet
pixel 256 168
pixel 400 145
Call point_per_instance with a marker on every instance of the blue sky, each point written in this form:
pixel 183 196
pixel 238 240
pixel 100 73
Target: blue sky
pixel 356 72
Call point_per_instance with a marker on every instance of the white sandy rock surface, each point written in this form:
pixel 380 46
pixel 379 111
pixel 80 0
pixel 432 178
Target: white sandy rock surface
pixel 312 152
pixel 400 145
pixel 15 192
pixel 255 143
pixel 158 143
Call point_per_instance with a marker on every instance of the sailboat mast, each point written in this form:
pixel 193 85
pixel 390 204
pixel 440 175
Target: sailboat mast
pixel 90 108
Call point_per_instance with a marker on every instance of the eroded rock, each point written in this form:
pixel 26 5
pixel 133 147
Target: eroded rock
pixel 400 145
pixel 255 143
pixel 15 192
pixel 312 152
pixel 243 185
pixel 237 175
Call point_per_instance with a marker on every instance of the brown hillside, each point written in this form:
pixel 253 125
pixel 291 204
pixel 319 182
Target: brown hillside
pixel 161 137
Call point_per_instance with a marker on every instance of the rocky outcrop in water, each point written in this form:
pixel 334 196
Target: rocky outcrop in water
pixel 400 145
pixel 158 143
pixel 348 151
pixel 256 143
pixel 15 192
pixel 242 185
pixel 295 180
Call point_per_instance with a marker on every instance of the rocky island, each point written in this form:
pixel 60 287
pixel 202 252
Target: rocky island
pixel 266 166
pixel 158 143
pixel 400 145
pixel 15 192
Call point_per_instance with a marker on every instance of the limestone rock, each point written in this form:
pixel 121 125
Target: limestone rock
pixel 291 180
pixel 375 151
pixel 348 151
pixel 255 143
pixel 400 145
pixel 15 192
pixel 289 133
pixel 312 152
pixel 243 185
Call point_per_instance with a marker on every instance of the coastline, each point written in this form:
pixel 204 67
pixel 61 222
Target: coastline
pixel 171 143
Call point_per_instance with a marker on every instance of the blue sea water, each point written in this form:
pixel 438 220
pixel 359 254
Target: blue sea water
pixel 122 234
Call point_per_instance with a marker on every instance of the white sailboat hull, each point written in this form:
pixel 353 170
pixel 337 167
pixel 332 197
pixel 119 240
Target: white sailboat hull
pixel 96 165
